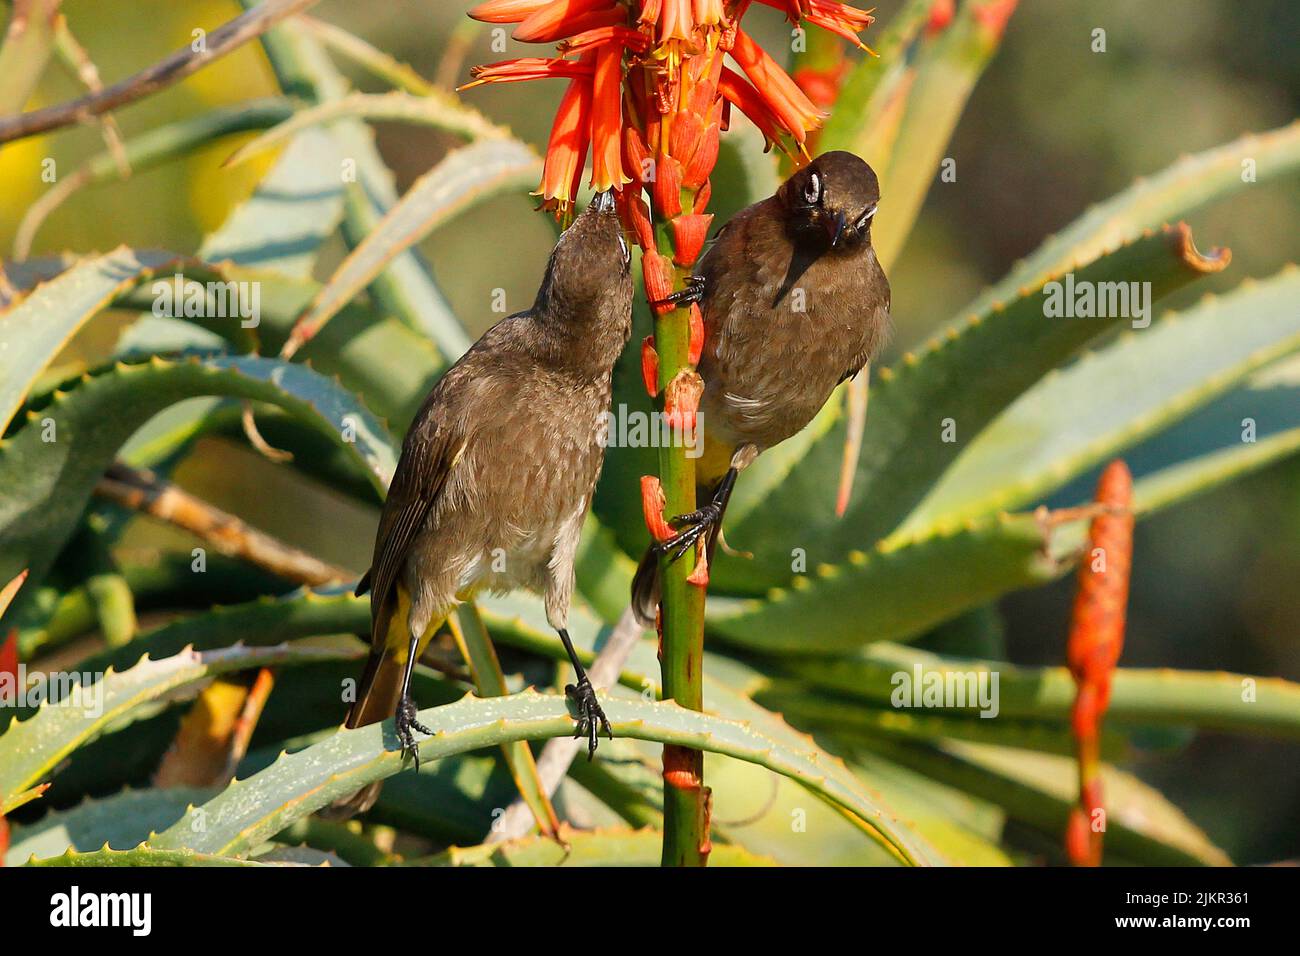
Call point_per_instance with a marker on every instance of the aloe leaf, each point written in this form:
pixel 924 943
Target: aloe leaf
pixel 476 648
pixel 252 810
pixel 24 54
pixel 149 149
pixel 607 847
pixel 1131 389
pixel 370 58
pixel 1198 475
pixel 968 377
pixel 122 821
pixel 873 83
pixel 143 855
pixel 908 584
pixel 31 749
pixel 1167 196
pixel 1039 790
pixel 1231 703
pixel 51 481
pixel 896 590
pixel 946 72
pixel 386 362
pixel 462 178
pixel 36 329
pixel 295 208
pixel 435 109
pixel 406 287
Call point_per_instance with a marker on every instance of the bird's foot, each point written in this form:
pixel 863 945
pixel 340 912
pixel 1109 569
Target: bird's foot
pixel 693 292
pixel 406 725
pixel 693 525
pixel 590 717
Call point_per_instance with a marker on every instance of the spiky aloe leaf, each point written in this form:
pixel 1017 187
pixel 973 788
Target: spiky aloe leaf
pixel 250 811
pixel 1167 196
pixel 143 855
pixel 1131 389
pixel 896 590
pixel 968 377
pixel 51 464
pixel 946 72
pixel 293 210
pixel 31 749
pixel 406 287
pixel 1236 703
pixel 906 585
pixel 1039 790
pixel 435 109
pixel 36 329
pixel 122 821
pixel 475 645
pixel 605 847
pixel 463 177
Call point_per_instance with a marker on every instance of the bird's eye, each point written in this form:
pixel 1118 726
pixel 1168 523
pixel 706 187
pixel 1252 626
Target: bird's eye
pixel 812 190
pixel 627 253
pixel 865 218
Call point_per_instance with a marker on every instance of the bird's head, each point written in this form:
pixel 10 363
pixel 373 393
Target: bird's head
pixel 591 260
pixel 831 201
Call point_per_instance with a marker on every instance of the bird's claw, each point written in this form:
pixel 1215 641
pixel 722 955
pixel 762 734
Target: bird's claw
pixel 591 718
pixel 693 525
pixel 694 292
pixel 405 724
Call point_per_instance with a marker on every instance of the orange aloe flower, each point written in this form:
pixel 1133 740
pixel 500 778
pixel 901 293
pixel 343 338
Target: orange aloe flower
pixel 652 68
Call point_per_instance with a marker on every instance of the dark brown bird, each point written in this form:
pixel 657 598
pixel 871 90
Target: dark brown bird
pixel 794 303
pixel 497 472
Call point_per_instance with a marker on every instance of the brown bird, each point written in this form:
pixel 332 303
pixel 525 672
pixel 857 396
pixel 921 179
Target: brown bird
pixel 497 472
pixel 794 303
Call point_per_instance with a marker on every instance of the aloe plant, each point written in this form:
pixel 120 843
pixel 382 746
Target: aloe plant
pixel 802 637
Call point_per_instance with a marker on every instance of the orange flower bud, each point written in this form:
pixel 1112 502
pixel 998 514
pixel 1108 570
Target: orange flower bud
pixel 657 271
pixel 682 400
pixel 689 232
pixel 666 190
pixel 941 13
pixel 653 503
pixel 697 334
pixel 650 366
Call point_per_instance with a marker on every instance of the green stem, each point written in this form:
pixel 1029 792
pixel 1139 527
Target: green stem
pixel 686 800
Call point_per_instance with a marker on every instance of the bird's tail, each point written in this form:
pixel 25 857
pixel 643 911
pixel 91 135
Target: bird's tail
pixel 377 692
pixel 646 588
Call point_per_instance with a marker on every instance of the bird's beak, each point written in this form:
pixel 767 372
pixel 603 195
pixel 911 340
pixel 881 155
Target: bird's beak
pixel 835 229
pixel 603 202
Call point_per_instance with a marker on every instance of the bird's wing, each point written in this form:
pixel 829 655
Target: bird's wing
pixel 430 453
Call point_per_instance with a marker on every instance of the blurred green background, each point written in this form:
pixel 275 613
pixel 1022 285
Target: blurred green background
pixel 1052 128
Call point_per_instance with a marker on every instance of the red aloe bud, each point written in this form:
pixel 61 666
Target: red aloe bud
pixel 705 157
pixel 941 13
pixel 702 197
pixel 650 366
pixel 689 232
pixel 688 129
pixel 636 155
pixel 666 190
pixel 637 219
pixel 697 334
pixel 682 400
pixel 699 575
pixel 658 273
pixel 652 507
